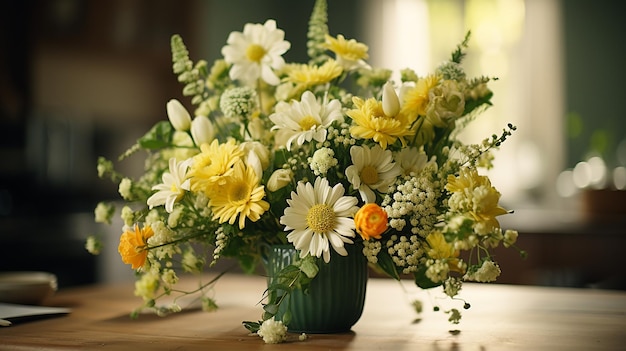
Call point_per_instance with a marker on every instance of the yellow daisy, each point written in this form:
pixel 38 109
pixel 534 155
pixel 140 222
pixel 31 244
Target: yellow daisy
pixel 240 195
pixel 214 162
pixel 350 53
pixel 306 76
pixel 370 122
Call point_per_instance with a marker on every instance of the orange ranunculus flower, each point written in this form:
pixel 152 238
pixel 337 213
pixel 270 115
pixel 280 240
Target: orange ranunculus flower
pixel 133 243
pixel 370 221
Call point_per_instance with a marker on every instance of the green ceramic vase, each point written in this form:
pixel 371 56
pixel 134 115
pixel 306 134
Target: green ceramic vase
pixel 336 295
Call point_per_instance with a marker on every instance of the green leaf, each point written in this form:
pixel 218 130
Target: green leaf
pixel 253 327
pixel 471 105
pixel 271 308
pixel 287 317
pixel 422 281
pixel 386 264
pixel 309 266
pixel 158 137
pixel 290 269
pixel 279 286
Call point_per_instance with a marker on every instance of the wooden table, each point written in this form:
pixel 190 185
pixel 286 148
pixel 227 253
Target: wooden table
pixel 502 317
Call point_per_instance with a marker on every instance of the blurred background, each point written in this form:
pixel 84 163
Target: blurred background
pixel 81 79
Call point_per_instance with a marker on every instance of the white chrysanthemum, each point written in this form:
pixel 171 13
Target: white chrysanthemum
pixel 323 159
pixel 273 332
pixel 371 169
pixel 320 216
pixel 256 53
pixel 174 185
pixel 307 119
pixel 411 161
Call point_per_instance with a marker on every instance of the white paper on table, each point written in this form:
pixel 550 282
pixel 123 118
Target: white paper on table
pixel 19 313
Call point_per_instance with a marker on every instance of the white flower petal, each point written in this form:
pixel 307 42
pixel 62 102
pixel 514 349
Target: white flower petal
pixel 307 239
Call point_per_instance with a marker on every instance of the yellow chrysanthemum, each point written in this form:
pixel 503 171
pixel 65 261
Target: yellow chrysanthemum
pixel 309 75
pixel 239 195
pixel 350 53
pixel 415 100
pixel 213 162
pixel 474 195
pixel 133 245
pixel 370 122
pixel 438 246
pixel 440 249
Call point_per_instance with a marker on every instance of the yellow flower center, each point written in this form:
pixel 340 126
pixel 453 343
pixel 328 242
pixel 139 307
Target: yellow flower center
pixel 238 191
pixel 308 122
pixel 369 175
pixel 321 218
pixel 255 52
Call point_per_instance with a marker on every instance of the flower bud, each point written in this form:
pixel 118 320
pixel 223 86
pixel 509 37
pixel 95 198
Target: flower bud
pixel 178 115
pixel 391 103
pixel 253 161
pixel 260 150
pixel 279 179
pixel 202 130
pixel 257 128
pixel 370 221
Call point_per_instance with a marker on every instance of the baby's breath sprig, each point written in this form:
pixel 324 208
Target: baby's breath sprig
pixel 476 153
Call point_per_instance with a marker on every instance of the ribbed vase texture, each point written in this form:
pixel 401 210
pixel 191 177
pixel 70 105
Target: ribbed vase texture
pixel 336 295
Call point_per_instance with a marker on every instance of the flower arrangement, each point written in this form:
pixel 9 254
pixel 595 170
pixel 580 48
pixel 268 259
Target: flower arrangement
pixel 319 155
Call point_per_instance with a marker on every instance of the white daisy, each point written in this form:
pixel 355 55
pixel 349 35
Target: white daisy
pixel 256 53
pixel 371 169
pixel 318 215
pixel 175 183
pixel 307 119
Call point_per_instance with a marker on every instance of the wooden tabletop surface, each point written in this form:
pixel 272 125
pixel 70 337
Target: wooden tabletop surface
pixel 502 317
